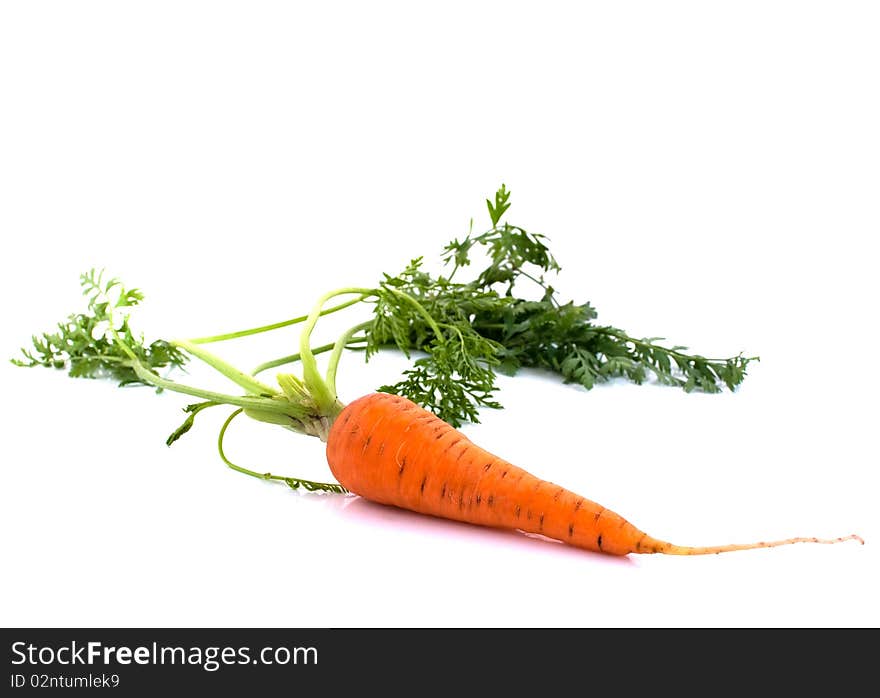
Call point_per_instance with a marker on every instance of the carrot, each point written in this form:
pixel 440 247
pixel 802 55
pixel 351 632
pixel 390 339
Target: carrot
pixel 388 449
pixel 401 446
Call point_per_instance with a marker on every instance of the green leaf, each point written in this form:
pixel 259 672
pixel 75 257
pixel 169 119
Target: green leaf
pixel 502 197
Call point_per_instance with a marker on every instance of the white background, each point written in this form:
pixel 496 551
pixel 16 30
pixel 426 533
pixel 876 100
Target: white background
pixel 706 172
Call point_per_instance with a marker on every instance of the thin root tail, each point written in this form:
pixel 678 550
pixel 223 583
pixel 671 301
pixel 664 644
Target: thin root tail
pixel 670 549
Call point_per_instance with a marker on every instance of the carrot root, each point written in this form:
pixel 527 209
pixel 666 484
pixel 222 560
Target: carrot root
pixel 389 450
pixel 671 549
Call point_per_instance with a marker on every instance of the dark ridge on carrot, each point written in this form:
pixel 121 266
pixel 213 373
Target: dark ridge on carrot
pixel 413 449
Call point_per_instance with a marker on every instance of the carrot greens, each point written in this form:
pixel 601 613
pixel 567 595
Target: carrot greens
pixel 84 342
pixel 502 333
pixel 460 333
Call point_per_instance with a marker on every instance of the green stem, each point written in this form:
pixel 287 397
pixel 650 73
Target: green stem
pixel 435 328
pixel 291 358
pixel 292 482
pixel 672 352
pixel 256 403
pixel 626 338
pixel 324 397
pixel 222 435
pixel 340 345
pixel 269 328
pixel 239 377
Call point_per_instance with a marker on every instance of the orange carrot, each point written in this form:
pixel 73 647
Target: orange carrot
pixel 390 450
